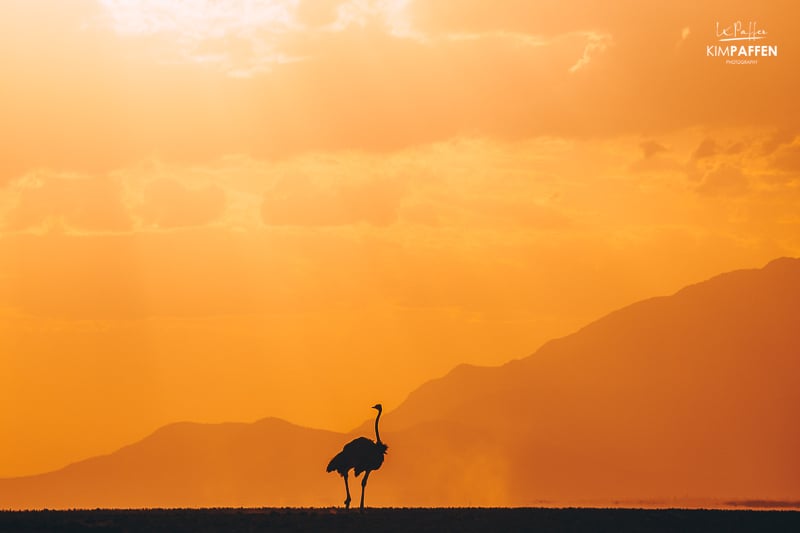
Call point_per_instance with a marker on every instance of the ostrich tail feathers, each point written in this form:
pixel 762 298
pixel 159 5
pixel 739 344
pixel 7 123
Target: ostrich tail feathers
pixel 337 463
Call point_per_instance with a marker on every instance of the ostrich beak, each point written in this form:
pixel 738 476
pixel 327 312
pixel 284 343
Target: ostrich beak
pixel 377 406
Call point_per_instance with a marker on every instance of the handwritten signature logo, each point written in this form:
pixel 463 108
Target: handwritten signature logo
pixel 740 32
pixel 741 54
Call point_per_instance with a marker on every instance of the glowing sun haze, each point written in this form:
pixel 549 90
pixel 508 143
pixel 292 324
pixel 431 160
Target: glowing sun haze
pixel 226 210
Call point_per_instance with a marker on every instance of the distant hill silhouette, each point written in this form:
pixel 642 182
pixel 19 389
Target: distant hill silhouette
pixel 685 399
pixel 188 465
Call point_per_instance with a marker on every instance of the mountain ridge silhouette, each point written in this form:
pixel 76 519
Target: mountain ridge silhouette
pixel 682 398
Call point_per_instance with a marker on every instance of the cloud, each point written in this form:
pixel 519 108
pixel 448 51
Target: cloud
pixel 391 77
pixel 197 19
pixel 519 213
pixel 725 180
pixel 127 200
pixel 237 36
pixel 476 225
pixel 651 148
pixel 300 201
pixel 169 204
pixel 707 148
pixel 788 158
pixel 779 138
pixel 596 44
pixel 241 38
pixel 655 158
pixel 736 148
pixel 318 13
pixel 68 201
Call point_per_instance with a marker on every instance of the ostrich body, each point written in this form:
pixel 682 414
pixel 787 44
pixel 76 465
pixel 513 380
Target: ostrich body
pixel 360 455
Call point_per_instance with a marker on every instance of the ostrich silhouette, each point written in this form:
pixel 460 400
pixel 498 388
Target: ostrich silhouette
pixel 361 455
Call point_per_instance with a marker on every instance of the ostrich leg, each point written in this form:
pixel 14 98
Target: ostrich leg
pixel 347 488
pixel 364 487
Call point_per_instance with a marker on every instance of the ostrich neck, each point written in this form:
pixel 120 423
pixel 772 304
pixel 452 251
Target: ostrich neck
pixel 378 435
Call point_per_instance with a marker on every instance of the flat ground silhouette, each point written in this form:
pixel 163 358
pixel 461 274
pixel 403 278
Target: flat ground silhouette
pixel 388 519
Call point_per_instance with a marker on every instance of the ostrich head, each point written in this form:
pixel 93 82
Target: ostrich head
pixel 378 406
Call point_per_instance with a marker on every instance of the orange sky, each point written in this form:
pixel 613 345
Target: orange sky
pixel 236 209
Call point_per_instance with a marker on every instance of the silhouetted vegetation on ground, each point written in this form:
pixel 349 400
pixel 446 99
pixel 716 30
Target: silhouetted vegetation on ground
pixel 417 520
